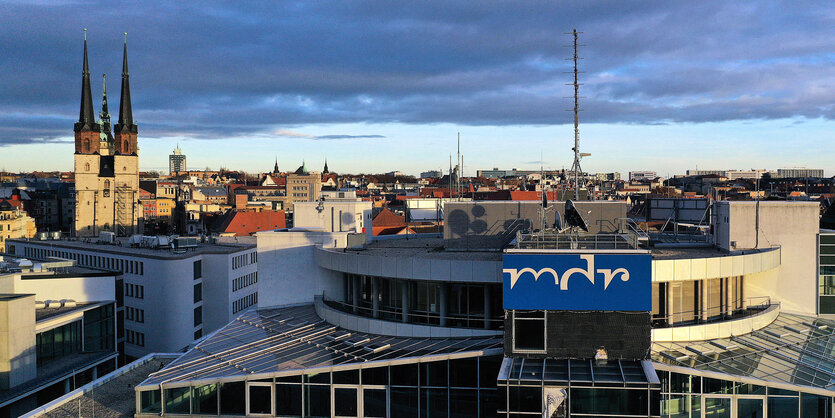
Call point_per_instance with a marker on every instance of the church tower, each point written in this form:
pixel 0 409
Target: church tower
pixel 106 175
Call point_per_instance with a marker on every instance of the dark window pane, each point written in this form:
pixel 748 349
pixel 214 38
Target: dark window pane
pixel 375 376
pixel 288 399
pixel 232 398
pixel 260 400
pixel 490 402
pixel 318 378
pixel 204 399
pixel 488 371
pixel 781 392
pixel 464 373
pixel 149 401
pixel 177 400
pixel 346 376
pixel 717 386
pixel 433 374
pixel 345 402
pixel 463 403
pixel 782 407
pixel 289 379
pixel 433 403
pixel 815 406
pixel 405 375
pixel 374 402
pixel 317 400
pixel 684 383
pixel 525 399
pixel 404 402
pixel 528 334
pixel 609 401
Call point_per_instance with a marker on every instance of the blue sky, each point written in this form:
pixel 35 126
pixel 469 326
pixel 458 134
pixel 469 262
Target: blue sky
pixel 376 86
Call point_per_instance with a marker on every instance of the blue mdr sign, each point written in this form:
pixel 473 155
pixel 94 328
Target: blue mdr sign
pixel 599 282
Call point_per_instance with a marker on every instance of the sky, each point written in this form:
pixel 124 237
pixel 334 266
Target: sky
pixel 376 86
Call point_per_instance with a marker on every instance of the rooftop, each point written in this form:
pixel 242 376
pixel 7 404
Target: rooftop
pixel 794 349
pixel 426 247
pixel 46 313
pixel 122 247
pixel 699 252
pixel 112 398
pixel 294 340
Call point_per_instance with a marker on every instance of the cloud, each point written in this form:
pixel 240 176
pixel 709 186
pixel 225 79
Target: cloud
pixel 218 70
pixel 292 134
pixel 348 136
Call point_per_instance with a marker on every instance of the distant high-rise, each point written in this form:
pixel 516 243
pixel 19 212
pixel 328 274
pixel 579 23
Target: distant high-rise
pixel 177 162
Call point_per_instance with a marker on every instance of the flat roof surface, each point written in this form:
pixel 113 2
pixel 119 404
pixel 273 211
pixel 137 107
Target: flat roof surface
pixel 699 252
pixel 295 339
pixel 123 248
pixel 423 247
pixel 794 349
pixel 114 398
pixel 46 313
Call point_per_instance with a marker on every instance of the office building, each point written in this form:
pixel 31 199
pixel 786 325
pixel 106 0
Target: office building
pixel 431 174
pixel 175 290
pixel 106 165
pixel 177 162
pixel 58 330
pixel 642 175
pixel 799 172
pixel 14 223
pixel 504 321
pixel 302 186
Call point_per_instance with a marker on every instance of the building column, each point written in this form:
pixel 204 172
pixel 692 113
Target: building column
pixel 375 297
pixel 705 307
pixel 355 290
pixel 670 305
pixel 443 303
pixel 404 298
pixel 487 313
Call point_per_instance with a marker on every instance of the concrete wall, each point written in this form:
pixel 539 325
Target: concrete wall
pixel 17 340
pixel 47 287
pixel 793 226
pixel 288 272
pixel 413 268
pixel 336 216
pixel 218 295
pixel 492 224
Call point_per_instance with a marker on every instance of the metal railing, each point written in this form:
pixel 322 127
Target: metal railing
pixel 750 306
pixel 567 241
pixel 417 317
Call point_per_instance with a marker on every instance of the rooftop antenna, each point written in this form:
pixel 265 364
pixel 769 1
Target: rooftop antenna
pixel 575 167
pixel 458 171
pixel 85 34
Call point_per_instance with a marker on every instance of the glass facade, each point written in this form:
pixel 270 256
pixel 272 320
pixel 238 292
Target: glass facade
pixel 700 301
pixel 826 271
pixel 57 343
pixel 447 388
pixel 462 305
pixel 686 396
pixel 99 329
pixel 559 388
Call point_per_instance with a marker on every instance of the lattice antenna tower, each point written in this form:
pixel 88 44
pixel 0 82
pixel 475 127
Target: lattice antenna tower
pixel 575 167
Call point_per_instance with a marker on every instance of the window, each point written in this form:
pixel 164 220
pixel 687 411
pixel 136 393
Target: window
pixel 126 147
pixel 198 269
pixel 198 292
pixel 198 315
pixel 529 331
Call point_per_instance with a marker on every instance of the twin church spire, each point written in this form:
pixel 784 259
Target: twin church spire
pixel 86 117
pixel 125 129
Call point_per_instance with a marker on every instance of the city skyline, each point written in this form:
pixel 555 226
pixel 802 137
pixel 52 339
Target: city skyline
pixel 377 88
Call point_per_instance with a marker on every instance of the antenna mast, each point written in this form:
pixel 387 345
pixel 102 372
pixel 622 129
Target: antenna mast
pixel 576 166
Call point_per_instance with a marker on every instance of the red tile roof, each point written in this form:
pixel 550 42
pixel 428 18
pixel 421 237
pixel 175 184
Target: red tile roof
pixel 388 218
pixel 243 223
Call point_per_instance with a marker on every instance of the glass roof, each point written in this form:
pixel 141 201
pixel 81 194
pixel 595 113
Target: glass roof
pixel 523 371
pixel 295 338
pixel 793 349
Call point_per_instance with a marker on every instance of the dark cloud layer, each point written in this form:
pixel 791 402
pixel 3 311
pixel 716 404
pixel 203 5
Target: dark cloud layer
pixel 223 69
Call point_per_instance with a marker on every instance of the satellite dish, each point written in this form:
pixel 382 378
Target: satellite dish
pixel 573 217
pixel 557 221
